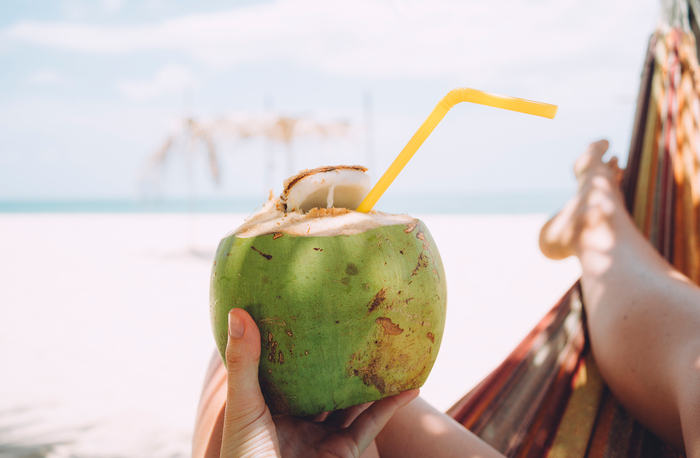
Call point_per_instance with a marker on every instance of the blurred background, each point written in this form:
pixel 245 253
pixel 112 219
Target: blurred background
pixel 134 135
pixel 91 90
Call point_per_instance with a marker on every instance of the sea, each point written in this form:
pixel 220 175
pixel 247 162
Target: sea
pixel 504 203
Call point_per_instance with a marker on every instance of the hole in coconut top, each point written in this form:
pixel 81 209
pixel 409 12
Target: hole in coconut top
pixel 327 187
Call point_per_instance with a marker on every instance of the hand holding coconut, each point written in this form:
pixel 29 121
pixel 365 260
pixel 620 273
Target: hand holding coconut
pixel 249 429
pixel 350 306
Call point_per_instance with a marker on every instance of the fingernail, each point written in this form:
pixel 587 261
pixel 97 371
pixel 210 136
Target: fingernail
pixel 236 327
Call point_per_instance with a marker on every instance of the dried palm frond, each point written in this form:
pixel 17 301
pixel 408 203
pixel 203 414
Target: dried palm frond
pixel 190 134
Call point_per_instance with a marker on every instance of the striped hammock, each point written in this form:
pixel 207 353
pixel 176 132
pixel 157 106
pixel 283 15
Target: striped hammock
pixel 547 398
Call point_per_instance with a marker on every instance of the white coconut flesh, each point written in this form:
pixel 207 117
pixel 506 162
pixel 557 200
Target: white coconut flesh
pixel 335 188
pixel 320 203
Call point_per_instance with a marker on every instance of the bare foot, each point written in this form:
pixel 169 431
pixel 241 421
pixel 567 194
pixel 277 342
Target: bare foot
pixel 597 196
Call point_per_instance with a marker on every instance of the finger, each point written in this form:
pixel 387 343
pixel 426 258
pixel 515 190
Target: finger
pixel 244 397
pixel 344 418
pixel 317 418
pixel 370 422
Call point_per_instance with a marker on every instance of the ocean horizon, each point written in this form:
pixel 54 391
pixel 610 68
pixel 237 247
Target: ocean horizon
pixel 502 203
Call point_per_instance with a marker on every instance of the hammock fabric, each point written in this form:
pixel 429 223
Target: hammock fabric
pixel 547 398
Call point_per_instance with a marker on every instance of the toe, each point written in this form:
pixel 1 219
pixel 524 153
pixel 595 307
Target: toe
pixel 614 166
pixel 596 150
pixel 601 146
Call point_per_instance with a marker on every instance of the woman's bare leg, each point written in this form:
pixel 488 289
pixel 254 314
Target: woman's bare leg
pixel 420 430
pixel 643 315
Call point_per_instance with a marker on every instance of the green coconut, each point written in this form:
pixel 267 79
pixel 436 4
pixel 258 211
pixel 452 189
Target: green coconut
pixel 350 306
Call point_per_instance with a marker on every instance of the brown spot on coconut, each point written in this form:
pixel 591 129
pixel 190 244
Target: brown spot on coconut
pixel 274 398
pixel 266 256
pixel 376 301
pixel 389 326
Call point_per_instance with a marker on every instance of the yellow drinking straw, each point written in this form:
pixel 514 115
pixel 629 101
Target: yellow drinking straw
pixel 454 97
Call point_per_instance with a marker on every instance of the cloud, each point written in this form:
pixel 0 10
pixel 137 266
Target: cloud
pixel 368 38
pixel 74 10
pixel 172 80
pixel 44 77
pixel 112 6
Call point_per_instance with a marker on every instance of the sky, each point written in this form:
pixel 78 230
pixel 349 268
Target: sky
pixel 89 90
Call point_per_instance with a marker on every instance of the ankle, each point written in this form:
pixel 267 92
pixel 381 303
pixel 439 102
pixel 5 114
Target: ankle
pixel 595 230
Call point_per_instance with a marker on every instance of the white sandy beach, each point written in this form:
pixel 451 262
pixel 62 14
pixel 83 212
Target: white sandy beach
pixel 104 335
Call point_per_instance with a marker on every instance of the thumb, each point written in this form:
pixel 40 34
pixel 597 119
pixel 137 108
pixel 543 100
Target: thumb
pixel 244 398
pixel 248 427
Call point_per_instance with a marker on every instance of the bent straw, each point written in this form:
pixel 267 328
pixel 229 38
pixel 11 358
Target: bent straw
pixel 454 97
